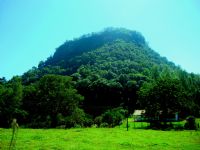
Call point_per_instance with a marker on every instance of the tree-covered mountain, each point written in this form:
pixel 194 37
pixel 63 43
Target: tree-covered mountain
pixel 110 69
pixel 111 43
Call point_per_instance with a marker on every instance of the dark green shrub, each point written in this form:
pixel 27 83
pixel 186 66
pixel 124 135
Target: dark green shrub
pixel 113 117
pixel 104 125
pixel 88 121
pixel 40 122
pixel 179 127
pixel 78 118
pixel 190 123
pixel 60 119
pixel 98 120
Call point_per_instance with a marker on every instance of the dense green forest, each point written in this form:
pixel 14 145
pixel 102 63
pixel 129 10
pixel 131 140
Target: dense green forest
pixel 99 79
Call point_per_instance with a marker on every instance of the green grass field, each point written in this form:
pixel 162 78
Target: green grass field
pixel 101 139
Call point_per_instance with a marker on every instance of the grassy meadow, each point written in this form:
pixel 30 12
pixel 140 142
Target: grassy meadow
pixel 101 139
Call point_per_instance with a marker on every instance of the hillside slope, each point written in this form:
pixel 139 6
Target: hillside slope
pixel 98 79
pixel 64 55
pixel 108 67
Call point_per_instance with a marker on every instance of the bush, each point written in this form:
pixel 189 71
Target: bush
pixel 98 120
pixel 78 118
pixel 77 126
pixel 40 122
pixel 60 119
pixel 88 121
pixel 104 125
pixel 113 117
pixel 190 123
pixel 94 126
pixel 179 127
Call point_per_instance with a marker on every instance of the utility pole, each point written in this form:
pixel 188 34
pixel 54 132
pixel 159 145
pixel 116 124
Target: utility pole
pixel 127 114
pixel 127 122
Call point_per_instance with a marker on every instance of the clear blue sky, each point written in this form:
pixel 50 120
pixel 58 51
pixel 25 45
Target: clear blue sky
pixel 31 30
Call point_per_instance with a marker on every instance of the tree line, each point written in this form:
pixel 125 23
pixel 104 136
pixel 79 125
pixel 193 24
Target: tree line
pixel 55 100
pixel 97 79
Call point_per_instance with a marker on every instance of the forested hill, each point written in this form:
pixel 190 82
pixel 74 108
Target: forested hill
pixel 111 38
pixel 108 67
pixel 93 41
pixel 114 51
pixel 95 79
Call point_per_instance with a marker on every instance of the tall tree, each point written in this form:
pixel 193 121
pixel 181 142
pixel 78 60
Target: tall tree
pixel 163 95
pixel 55 96
pixel 10 101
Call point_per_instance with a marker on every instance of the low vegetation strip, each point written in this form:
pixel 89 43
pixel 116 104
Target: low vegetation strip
pixel 100 139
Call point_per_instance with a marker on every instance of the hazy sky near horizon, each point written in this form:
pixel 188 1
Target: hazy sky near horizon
pixel 31 30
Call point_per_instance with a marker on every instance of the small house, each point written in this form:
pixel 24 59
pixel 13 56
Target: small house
pixel 138 115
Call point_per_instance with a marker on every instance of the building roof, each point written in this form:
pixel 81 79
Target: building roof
pixel 138 112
